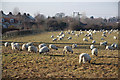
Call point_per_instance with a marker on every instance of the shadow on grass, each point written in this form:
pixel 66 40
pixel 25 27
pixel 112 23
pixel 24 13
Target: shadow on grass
pixel 108 57
pixel 104 64
pixel 55 55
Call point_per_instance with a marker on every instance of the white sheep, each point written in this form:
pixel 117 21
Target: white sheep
pixel 74 45
pixel 84 57
pixel 43 49
pixel 53 46
pixel 67 49
pixel 84 39
pixel 24 47
pixel 109 48
pixel 94 51
pixel 52 36
pixel 93 42
pixel 114 37
pixel 90 38
pixel 32 49
pixel 41 45
pixel 55 39
pixel 29 44
pixel 69 38
pixel 92 46
pixel 15 46
pixel 6 44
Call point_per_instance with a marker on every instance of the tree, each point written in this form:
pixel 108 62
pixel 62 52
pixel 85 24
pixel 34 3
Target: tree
pixel 16 10
pixel 60 15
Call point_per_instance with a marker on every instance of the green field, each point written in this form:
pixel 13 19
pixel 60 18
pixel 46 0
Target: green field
pixel 21 64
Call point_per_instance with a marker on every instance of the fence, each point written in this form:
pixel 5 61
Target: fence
pixel 19 33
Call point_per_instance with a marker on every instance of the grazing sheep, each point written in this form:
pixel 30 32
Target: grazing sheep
pixel 55 39
pixel 93 42
pixel 42 45
pixel 29 44
pixel 69 38
pixel 74 45
pixel 6 44
pixel 84 57
pixel 104 35
pixel 32 49
pixel 92 46
pixel 24 47
pixel 90 38
pixel 103 43
pixel 114 37
pixel 84 39
pixel 94 51
pixel 52 36
pixel 67 49
pixel 114 45
pixel 15 46
pixel 109 48
pixel 43 49
pixel 53 46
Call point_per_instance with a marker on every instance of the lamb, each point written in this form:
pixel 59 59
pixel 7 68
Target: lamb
pixel 6 44
pixel 84 39
pixel 67 49
pixel 32 49
pixel 74 45
pixel 43 49
pixel 84 57
pixel 42 45
pixel 92 46
pixel 94 51
pixel 53 46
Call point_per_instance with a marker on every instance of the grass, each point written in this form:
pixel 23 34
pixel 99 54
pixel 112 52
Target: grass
pixel 21 64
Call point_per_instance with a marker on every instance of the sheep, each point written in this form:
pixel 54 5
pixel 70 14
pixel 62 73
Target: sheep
pixel 43 49
pixel 104 35
pixel 114 37
pixel 52 36
pixel 67 49
pixel 41 45
pixel 102 39
pixel 53 46
pixel 92 46
pixel 29 44
pixel 84 39
pixel 15 46
pixel 94 51
pixel 69 38
pixel 114 45
pixel 24 47
pixel 109 48
pixel 32 49
pixel 90 38
pixel 74 45
pixel 103 43
pixel 93 42
pixel 84 57
pixel 77 35
pixel 6 44
pixel 55 39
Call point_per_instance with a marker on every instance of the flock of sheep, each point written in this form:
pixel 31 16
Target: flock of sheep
pixel 84 57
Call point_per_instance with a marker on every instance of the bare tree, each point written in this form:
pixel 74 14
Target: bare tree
pixel 16 10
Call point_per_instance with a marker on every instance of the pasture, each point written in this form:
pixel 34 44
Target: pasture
pixel 22 64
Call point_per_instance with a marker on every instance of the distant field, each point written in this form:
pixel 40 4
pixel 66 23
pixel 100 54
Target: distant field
pixel 21 64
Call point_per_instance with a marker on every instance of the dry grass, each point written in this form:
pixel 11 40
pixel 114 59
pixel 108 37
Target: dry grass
pixel 21 64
